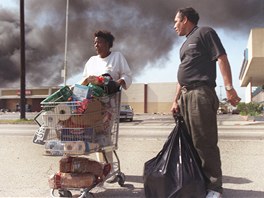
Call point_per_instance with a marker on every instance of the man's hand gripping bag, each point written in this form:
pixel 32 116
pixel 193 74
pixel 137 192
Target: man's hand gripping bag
pixel 175 172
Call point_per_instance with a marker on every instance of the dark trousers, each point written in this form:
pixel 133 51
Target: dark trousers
pixel 199 109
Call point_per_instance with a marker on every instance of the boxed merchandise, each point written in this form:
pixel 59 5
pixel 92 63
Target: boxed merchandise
pixel 54 147
pixel 92 116
pixel 71 180
pixel 77 134
pixel 62 95
pixel 74 148
pixel 41 135
pixel 71 164
pixel 97 91
pixel 82 92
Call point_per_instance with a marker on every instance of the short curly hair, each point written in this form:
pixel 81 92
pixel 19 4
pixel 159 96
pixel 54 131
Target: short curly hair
pixel 105 35
pixel 190 13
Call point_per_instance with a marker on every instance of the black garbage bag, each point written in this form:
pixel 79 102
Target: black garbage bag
pixel 176 170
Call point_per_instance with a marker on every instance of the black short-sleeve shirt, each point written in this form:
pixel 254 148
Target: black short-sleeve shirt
pixel 198 56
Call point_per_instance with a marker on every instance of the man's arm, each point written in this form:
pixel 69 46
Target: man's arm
pixel 175 106
pixel 225 69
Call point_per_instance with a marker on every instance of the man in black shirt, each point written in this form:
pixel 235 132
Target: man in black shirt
pixel 196 98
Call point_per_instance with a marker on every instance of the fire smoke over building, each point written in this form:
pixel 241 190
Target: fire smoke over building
pixel 143 31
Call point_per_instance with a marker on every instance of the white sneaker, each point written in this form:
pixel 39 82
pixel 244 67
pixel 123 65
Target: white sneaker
pixel 213 194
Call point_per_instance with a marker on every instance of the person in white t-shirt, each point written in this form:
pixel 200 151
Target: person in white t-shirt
pixel 107 62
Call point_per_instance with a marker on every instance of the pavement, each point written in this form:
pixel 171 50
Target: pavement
pixel 25 170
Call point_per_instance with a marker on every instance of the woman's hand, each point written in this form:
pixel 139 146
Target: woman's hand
pixel 90 79
pixel 121 82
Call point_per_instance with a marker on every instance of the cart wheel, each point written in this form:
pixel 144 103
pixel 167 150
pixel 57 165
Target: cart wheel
pixel 65 193
pixel 121 179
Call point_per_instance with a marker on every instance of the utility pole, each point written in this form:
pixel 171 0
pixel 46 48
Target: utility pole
pixel 66 44
pixel 22 62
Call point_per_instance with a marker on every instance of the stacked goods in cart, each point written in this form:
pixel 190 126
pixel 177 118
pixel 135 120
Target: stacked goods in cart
pixel 75 123
pixel 75 115
pixel 78 172
pixel 77 127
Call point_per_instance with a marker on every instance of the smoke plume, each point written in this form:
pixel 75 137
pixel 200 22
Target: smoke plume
pixel 143 30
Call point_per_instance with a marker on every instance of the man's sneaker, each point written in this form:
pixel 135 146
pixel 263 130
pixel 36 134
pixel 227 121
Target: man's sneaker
pixel 213 194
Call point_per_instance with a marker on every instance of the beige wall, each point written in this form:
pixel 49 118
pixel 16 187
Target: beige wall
pixel 257 39
pixel 160 97
pixel 254 60
pixel 135 97
pixel 150 98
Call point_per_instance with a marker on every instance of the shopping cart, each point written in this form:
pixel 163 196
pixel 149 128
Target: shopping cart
pixel 79 128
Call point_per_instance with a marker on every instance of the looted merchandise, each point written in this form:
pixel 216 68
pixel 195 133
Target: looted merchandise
pixel 96 90
pixel 71 164
pixel 175 172
pixel 79 128
pixel 77 134
pixel 62 111
pixel 61 95
pixel 74 148
pixel 93 115
pixel 41 135
pixel 50 119
pixel 81 92
pixel 54 147
pixel 71 180
pixel 94 87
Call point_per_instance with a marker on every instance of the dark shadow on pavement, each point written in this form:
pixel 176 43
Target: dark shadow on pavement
pixel 231 193
pixel 134 178
pixel 120 193
pixel 129 191
pixel 126 193
pixel 235 180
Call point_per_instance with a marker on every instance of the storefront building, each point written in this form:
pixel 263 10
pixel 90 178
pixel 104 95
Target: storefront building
pixel 144 98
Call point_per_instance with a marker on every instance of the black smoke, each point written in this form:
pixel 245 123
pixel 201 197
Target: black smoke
pixel 143 30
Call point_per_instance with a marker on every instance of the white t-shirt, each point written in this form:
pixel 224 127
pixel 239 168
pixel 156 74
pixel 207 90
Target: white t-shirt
pixel 115 64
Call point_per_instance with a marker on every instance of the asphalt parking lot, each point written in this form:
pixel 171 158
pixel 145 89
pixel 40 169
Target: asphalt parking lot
pixel 25 170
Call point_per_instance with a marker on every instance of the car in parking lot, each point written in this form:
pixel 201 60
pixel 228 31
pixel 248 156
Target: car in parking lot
pixel 235 111
pixel 126 112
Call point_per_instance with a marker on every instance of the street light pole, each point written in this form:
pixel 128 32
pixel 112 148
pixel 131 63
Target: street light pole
pixel 22 62
pixel 66 43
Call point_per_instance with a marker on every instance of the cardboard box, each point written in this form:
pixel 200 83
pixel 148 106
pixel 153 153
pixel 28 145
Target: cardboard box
pixel 81 165
pixel 71 180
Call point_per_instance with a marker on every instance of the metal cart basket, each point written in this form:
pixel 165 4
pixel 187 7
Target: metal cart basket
pixel 76 128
